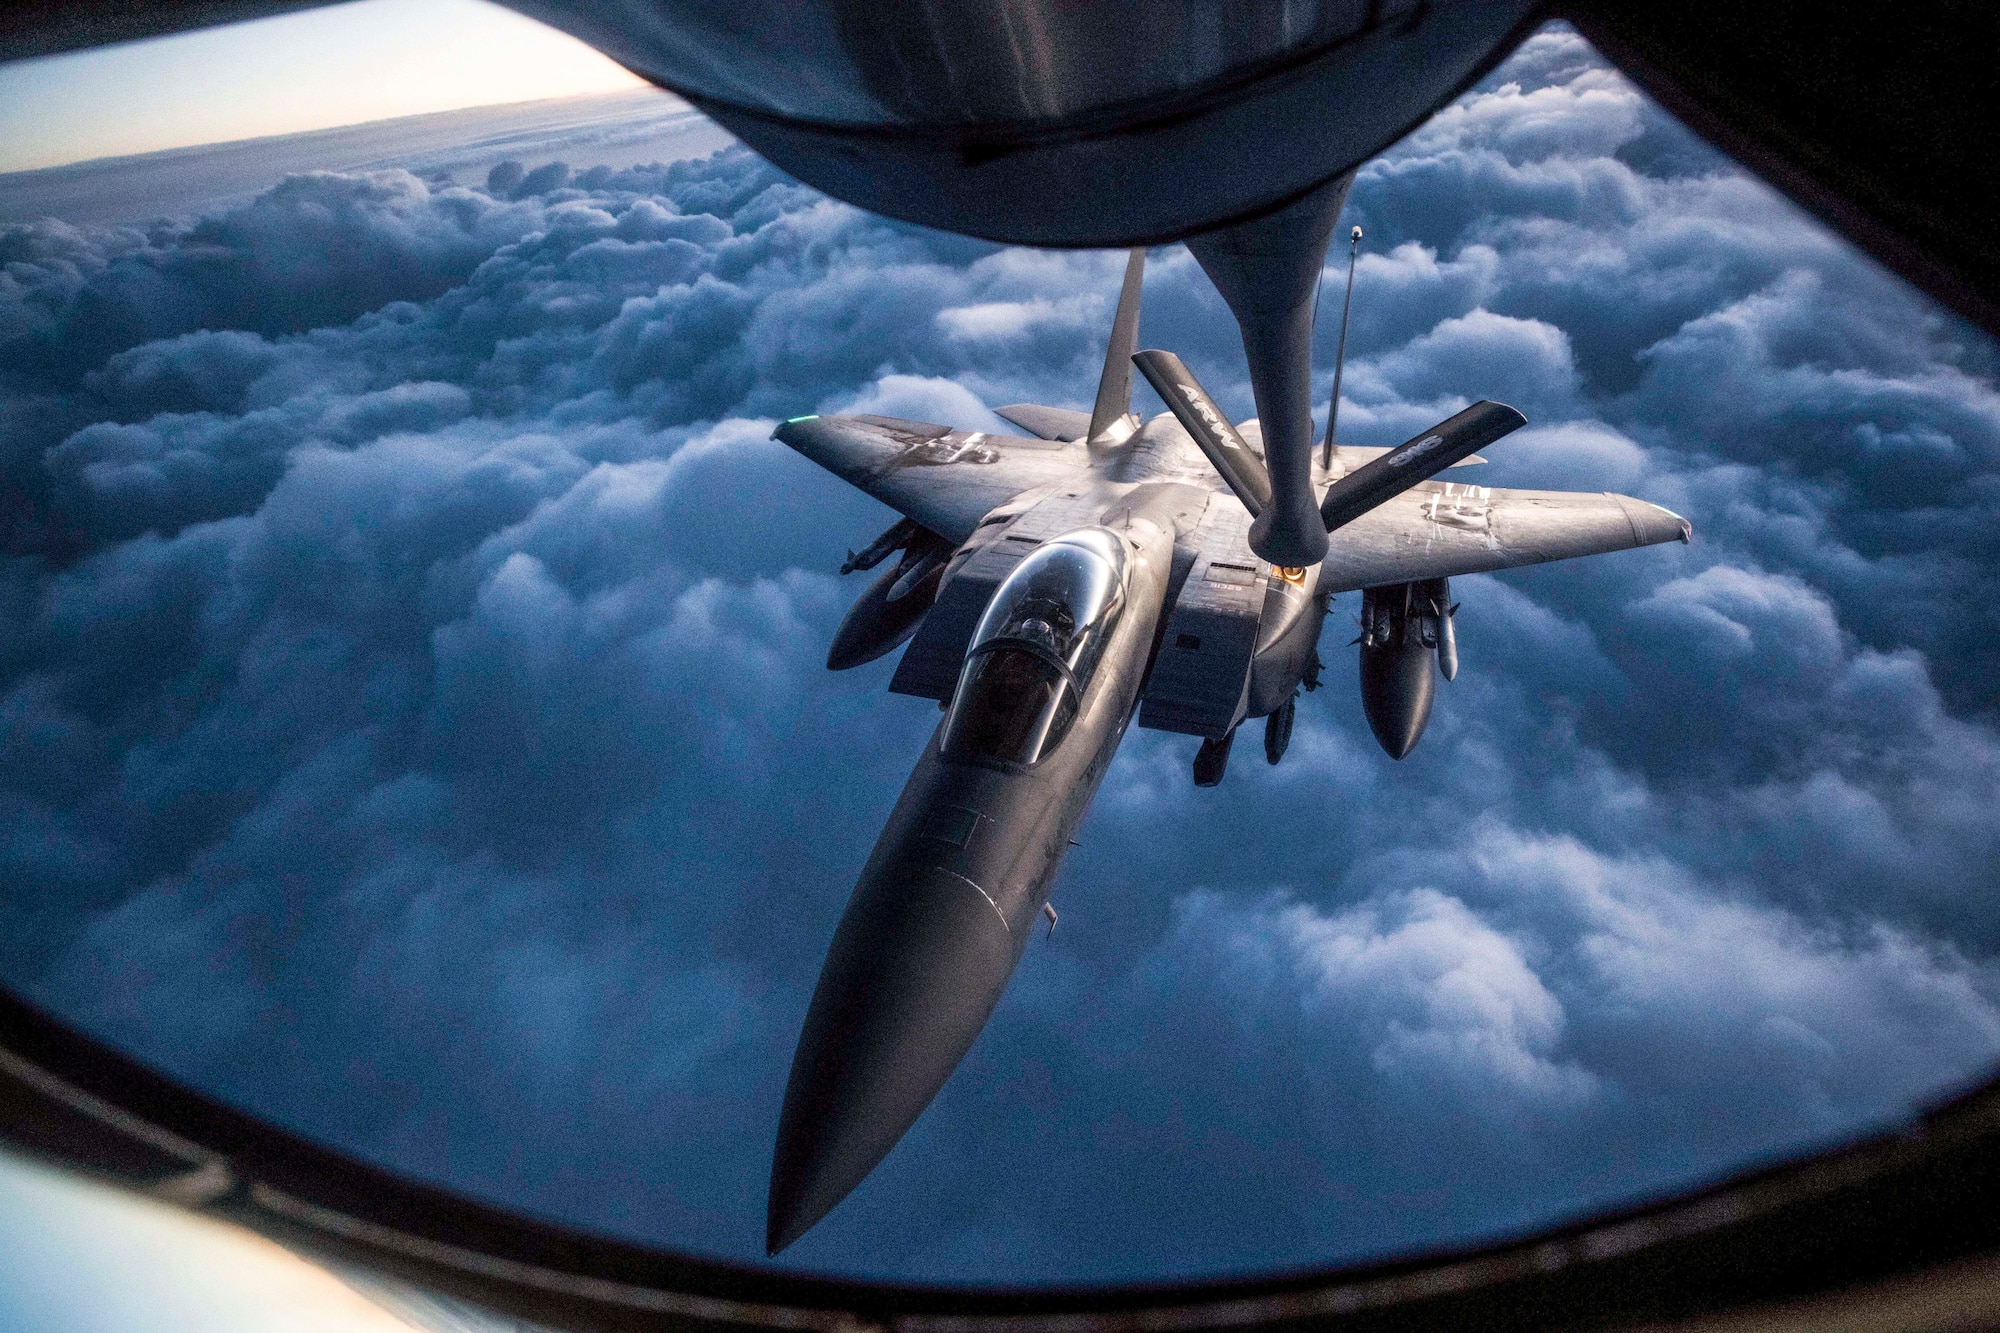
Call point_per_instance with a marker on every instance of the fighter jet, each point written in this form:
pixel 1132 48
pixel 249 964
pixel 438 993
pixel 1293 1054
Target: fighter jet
pixel 1054 587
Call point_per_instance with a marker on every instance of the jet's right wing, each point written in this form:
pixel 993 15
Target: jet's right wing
pixel 1437 529
pixel 945 479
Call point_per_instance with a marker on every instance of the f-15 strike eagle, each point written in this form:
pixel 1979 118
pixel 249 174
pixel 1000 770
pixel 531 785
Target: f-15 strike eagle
pixel 1053 587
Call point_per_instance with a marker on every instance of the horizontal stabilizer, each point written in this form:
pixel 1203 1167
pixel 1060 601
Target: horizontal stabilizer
pixel 1048 423
pixel 1242 469
pixel 1417 460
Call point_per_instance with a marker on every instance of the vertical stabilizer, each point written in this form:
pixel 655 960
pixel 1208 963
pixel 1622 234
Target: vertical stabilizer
pixel 1111 419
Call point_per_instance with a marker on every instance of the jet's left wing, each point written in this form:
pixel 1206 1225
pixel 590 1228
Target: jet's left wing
pixel 945 479
pixel 1437 529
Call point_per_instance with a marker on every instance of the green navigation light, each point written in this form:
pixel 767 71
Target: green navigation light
pixel 813 416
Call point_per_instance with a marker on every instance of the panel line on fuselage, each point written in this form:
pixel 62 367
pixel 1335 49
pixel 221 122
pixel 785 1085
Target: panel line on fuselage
pixel 982 893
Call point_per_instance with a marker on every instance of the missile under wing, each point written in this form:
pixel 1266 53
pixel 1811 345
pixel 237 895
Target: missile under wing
pixel 1094 572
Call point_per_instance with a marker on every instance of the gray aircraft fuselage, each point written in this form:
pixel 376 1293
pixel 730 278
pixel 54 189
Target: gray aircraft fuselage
pixel 1099 571
pixel 947 901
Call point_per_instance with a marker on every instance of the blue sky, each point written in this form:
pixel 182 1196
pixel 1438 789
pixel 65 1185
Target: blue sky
pixel 340 65
pixel 413 725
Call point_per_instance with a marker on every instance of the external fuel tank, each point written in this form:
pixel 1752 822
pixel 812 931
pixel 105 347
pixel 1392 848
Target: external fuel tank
pixel 1398 651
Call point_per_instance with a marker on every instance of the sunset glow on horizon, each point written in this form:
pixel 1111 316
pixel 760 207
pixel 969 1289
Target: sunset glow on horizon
pixel 342 65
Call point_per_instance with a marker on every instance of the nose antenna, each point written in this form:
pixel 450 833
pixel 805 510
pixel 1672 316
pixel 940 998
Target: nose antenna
pixel 1340 354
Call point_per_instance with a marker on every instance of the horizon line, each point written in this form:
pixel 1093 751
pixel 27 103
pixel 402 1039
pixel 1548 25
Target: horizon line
pixel 119 159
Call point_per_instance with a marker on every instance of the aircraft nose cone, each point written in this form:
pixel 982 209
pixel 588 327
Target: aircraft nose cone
pixel 917 964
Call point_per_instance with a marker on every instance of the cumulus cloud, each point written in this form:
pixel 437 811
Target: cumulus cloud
pixel 412 720
pixel 1432 994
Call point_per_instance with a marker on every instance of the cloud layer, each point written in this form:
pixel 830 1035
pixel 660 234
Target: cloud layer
pixel 413 724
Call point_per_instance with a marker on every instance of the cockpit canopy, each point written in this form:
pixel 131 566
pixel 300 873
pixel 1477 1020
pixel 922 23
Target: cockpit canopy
pixel 1037 646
